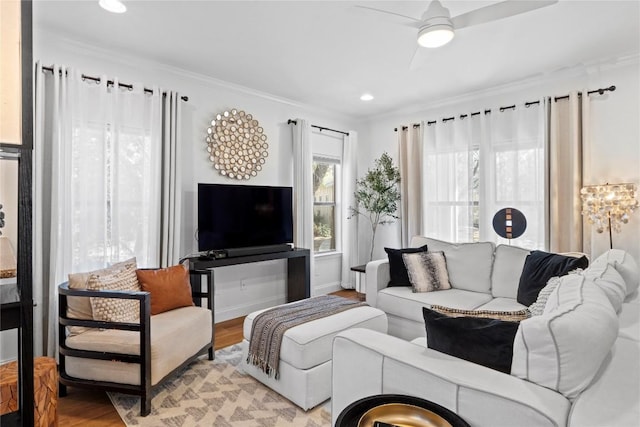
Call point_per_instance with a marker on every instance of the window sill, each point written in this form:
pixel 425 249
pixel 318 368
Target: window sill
pixel 331 254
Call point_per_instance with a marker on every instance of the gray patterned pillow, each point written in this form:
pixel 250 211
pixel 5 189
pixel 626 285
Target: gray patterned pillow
pixel 114 309
pixel 427 271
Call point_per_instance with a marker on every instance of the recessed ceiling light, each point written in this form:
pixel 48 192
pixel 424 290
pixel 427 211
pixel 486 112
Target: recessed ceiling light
pixel 115 6
pixel 366 97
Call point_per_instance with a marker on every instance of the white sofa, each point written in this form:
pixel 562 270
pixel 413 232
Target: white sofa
pixel 482 276
pixel 575 365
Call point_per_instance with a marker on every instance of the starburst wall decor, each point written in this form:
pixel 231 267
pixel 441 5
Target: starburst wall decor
pixel 237 144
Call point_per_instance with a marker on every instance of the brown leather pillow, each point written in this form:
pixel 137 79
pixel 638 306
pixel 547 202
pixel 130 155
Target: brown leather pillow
pixel 169 287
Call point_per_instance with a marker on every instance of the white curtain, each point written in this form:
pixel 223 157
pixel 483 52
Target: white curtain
pixel 349 225
pixel 303 188
pixel 410 155
pixel 569 119
pixel 97 180
pixel 450 192
pixel 171 180
pixel 512 170
pixel 475 165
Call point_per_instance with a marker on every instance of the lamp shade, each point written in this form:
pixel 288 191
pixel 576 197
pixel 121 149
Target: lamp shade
pixel 614 202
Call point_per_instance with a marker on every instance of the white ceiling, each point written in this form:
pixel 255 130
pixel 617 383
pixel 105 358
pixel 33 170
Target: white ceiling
pixel 327 53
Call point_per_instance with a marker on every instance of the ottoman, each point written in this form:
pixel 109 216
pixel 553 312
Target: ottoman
pixel 305 354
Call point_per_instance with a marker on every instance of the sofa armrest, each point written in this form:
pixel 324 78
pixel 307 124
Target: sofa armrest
pixel 367 363
pixel 377 278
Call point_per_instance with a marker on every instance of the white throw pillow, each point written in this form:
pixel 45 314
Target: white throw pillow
pixel 563 348
pixel 625 265
pixel 610 281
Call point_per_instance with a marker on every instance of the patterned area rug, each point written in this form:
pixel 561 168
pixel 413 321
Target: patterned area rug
pixel 217 393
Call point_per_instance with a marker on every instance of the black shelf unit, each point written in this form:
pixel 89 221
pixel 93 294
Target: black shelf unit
pixel 18 312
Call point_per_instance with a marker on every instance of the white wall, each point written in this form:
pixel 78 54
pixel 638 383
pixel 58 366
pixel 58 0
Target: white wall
pixel 615 139
pixel 239 289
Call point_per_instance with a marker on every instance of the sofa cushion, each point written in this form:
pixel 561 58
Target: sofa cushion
pixel 507 268
pixel 610 281
pixel 563 348
pixel 487 342
pixel 176 335
pixel 626 266
pixel 402 302
pixel 427 271
pixel 469 264
pixel 398 275
pixel 541 266
pixel 169 288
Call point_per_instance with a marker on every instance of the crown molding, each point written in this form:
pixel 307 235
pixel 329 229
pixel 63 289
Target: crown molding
pixel 581 69
pixel 119 57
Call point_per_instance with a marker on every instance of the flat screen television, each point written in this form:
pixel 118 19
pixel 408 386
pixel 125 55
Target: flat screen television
pixel 238 216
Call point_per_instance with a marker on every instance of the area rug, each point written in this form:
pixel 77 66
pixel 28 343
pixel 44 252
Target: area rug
pixel 217 393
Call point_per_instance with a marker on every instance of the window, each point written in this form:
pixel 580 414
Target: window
pixel 475 167
pixel 325 209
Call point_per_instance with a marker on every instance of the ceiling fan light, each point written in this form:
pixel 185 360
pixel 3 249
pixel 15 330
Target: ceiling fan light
pixel 435 35
pixel 115 6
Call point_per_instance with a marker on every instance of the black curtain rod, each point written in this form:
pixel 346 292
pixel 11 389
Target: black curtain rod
pixel 111 83
pixel 600 91
pixel 318 127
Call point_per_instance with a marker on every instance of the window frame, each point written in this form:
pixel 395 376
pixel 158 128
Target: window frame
pixel 337 175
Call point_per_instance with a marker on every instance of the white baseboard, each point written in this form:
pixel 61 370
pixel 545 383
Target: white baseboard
pixel 326 288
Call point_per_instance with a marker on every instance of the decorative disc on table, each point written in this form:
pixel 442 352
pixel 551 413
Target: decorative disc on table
pixel 509 223
pixel 237 144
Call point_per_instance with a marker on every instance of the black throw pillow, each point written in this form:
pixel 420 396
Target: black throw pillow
pixel 487 342
pixel 541 266
pixel 397 270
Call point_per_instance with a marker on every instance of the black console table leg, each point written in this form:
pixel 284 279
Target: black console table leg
pixel 298 280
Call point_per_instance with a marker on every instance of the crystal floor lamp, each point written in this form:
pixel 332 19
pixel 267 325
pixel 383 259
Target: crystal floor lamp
pixel 608 206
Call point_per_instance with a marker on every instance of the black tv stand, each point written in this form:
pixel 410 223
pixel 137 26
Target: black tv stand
pixel 298 269
pixel 254 250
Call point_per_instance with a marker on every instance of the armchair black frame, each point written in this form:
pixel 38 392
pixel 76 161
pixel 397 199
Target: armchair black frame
pixel 144 389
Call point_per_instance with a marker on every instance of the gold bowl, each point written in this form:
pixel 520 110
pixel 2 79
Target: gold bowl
pixel 402 415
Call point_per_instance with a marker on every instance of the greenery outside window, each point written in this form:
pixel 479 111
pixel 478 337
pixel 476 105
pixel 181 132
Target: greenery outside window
pixel 325 210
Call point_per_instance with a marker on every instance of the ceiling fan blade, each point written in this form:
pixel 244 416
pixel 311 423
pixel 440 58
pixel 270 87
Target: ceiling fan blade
pixel 396 17
pixel 414 63
pixel 497 11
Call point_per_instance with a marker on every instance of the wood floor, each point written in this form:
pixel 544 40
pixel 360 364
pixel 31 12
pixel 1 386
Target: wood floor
pixel 84 408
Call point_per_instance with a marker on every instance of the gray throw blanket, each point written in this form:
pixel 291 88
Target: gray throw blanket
pixel 269 327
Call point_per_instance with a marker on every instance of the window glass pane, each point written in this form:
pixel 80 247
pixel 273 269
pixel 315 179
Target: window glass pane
pixel 324 228
pixel 323 182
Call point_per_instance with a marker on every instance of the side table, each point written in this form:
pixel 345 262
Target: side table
pixel 360 280
pixel 433 415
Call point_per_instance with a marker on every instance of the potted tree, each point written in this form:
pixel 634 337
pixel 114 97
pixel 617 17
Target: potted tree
pixel 377 195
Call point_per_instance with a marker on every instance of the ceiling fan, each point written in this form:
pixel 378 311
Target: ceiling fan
pixel 436 27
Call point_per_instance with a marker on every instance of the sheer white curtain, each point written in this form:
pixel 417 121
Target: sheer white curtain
pixel 449 188
pixel 512 170
pixel 569 120
pixel 97 183
pixel 411 183
pixel 349 225
pixel 303 188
